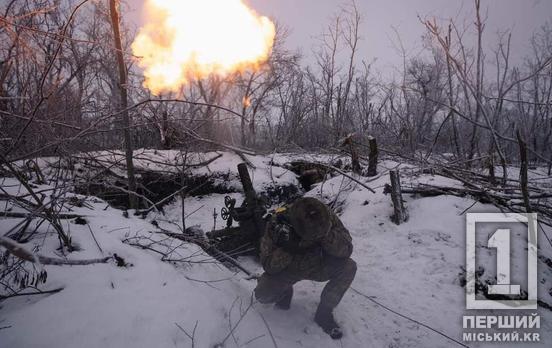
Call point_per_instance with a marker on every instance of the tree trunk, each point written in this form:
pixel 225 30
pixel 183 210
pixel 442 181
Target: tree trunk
pixel 491 164
pixel 523 172
pixel 457 146
pixel 400 214
pixel 355 161
pixel 372 157
pixel 125 117
pixel 479 81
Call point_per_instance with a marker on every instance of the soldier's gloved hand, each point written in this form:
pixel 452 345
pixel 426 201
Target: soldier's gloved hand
pixel 281 234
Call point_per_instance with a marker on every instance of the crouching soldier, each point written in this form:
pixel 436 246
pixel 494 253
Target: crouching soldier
pixel 307 242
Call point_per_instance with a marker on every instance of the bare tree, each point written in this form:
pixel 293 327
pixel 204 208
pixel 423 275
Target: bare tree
pixel 114 10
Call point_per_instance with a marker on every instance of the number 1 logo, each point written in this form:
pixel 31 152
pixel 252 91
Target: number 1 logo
pixel 500 240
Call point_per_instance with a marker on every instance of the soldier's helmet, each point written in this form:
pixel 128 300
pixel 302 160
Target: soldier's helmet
pixel 310 218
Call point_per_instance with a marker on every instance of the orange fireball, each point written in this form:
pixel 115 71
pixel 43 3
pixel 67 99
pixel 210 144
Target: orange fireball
pixel 188 39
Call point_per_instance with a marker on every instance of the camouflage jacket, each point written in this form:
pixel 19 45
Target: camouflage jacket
pixel 275 258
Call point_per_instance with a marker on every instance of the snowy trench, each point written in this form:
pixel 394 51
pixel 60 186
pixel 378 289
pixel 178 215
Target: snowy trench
pixel 190 300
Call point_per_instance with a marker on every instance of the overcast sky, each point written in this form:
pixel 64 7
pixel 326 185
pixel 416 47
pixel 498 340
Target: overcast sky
pixel 307 18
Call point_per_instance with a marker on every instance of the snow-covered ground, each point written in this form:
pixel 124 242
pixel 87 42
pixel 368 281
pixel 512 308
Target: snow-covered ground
pixel 415 269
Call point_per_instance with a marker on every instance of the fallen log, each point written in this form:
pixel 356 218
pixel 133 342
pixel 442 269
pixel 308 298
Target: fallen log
pixel 208 248
pixel 514 203
pixel 45 292
pixel 23 253
pixel 347 176
pixel 60 216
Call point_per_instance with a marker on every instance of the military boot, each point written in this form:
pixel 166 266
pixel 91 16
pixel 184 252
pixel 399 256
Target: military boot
pixel 285 301
pixel 325 319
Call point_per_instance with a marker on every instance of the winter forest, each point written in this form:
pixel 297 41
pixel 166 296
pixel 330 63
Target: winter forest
pixel 155 175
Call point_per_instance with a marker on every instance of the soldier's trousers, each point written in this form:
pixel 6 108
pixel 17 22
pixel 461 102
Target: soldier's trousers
pixel 338 272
